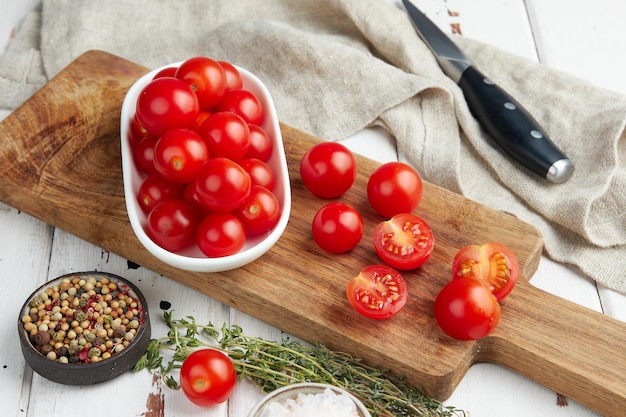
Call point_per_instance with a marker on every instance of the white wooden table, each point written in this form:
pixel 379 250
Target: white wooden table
pixel 578 36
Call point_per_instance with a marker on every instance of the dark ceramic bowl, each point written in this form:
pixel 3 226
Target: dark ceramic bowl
pixel 87 372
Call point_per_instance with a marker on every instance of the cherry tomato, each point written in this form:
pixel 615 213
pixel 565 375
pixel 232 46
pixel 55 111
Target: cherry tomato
pixel 136 132
pixel 260 212
pixel 226 134
pixel 337 227
pixel 404 242
pixel 202 116
pixel 179 155
pixel 167 103
pixel 143 154
pixel 493 262
pixel 220 234
pixel 207 79
pixel 222 185
pixel 207 377
pixel 233 77
pixel 260 173
pixel 172 224
pixel 378 292
pixel 190 196
pixel 260 144
pixel 155 189
pixel 245 104
pixel 465 309
pixel 328 169
pixel 394 188
pixel 166 72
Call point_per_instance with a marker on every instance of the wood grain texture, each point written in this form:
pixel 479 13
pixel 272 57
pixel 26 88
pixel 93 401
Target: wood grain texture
pixel 61 158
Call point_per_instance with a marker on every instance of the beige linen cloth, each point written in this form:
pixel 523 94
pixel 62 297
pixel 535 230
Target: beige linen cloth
pixel 335 67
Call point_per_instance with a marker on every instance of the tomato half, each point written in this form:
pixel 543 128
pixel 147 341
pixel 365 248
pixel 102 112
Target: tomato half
pixel 493 262
pixel 328 169
pixel 207 377
pixel 394 188
pixel 337 227
pixel 465 309
pixel 404 242
pixel 378 292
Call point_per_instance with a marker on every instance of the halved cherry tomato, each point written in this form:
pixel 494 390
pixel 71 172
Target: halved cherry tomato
pixel 493 262
pixel 378 292
pixel 328 169
pixel 337 227
pixel 404 242
pixel 207 377
pixel 394 188
pixel 465 309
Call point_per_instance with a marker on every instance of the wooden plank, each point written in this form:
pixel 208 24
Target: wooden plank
pixel 62 165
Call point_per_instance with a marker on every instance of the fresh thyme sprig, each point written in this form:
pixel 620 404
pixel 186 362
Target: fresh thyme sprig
pixel 272 365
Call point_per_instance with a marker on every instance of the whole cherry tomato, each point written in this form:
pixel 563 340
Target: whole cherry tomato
pixel 220 234
pixel 167 103
pixel 233 77
pixel 245 104
pixel 226 134
pixel 179 155
pixel 394 188
pixel 260 212
pixel 328 169
pixel 260 173
pixel 155 189
pixel 222 185
pixel 337 227
pixel 493 262
pixel 143 154
pixel 378 292
pixel 207 79
pixel 465 309
pixel 260 144
pixel 207 377
pixel 172 224
pixel 404 242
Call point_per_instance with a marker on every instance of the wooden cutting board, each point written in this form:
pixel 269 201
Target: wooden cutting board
pixel 61 163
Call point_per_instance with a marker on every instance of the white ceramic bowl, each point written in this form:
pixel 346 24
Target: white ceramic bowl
pixel 193 259
pixel 292 392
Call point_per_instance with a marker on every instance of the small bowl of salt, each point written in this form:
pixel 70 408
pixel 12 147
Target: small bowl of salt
pixel 309 400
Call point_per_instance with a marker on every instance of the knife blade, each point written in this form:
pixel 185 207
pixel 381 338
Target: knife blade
pixel 511 126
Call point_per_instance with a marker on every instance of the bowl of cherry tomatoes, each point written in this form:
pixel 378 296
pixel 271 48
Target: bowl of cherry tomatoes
pixel 205 173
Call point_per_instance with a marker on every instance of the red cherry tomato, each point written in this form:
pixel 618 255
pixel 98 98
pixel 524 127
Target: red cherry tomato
pixel 260 212
pixel 220 234
pixel 233 77
pixel 328 169
pixel 207 377
pixel 337 227
pixel 190 196
pixel 245 104
pixel 378 292
pixel 143 154
pixel 394 188
pixel 167 103
pixel 136 132
pixel 155 189
pixel 172 225
pixel 165 72
pixel 260 173
pixel 260 144
pixel 465 309
pixel 493 262
pixel 227 135
pixel 179 155
pixel 404 242
pixel 207 79
pixel 222 185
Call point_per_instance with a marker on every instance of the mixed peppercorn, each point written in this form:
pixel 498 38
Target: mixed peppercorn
pixel 83 319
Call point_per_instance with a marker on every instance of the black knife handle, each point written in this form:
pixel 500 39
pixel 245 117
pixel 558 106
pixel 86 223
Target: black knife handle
pixel 513 128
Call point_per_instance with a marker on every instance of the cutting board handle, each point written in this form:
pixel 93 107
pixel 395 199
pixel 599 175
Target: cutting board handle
pixel 571 349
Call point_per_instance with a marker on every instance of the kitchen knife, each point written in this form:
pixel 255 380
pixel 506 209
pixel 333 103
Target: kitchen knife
pixel 506 120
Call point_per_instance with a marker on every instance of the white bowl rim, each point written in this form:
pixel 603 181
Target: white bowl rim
pixel 254 412
pixel 206 264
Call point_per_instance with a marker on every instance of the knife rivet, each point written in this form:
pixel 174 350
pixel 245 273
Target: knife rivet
pixel 510 106
pixel 536 134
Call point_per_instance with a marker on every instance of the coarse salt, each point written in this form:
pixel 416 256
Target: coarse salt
pixel 325 404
